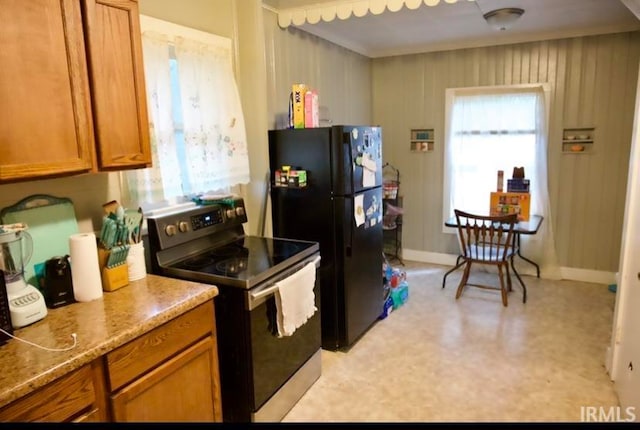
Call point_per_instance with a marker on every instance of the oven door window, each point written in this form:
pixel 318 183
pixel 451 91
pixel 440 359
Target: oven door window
pixel 276 359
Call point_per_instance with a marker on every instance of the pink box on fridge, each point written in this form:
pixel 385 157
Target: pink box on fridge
pixel 311 119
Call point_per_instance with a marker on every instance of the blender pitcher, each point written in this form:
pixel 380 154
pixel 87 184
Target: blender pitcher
pixel 16 248
pixel 26 303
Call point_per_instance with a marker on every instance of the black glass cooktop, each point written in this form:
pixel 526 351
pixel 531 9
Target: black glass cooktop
pixel 243 261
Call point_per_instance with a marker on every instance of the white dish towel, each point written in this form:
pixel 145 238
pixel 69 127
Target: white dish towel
pixel 295 300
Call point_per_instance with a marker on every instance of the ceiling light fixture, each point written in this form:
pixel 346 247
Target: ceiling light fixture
pixel 503 19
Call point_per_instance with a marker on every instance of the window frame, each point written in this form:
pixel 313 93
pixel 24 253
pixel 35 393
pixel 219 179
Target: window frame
pixel 450 94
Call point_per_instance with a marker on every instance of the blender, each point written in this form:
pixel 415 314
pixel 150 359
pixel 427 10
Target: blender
pixel 26 303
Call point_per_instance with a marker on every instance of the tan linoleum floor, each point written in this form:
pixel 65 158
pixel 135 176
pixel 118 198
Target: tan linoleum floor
pixel 437 359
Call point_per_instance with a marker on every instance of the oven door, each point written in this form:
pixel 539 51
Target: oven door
pixel 276 359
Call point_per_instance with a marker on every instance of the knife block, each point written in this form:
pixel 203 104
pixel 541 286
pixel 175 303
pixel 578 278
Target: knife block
pixel 112 278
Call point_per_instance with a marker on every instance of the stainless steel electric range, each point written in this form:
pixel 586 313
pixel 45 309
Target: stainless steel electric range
pixel 262 375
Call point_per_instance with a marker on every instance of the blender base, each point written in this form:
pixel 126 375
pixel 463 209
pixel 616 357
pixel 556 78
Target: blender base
pixel 26 304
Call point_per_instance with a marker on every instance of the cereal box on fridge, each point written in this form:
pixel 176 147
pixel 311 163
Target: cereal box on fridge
pixel 298 92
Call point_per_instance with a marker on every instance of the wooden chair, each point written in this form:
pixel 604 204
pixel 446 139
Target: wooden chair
pixel 487 240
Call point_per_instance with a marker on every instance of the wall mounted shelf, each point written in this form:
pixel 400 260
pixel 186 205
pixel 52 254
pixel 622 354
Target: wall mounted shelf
pixel 577 140
pixel 422 140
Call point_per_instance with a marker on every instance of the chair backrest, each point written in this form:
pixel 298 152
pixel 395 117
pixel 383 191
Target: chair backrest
pixel 486 239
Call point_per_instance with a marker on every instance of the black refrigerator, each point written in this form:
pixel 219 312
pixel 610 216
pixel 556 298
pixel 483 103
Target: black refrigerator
pixel 340 207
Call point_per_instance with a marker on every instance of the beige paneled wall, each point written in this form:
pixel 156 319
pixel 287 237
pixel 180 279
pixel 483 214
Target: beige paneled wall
pixel 341 77
pixel 252 82
pixel 592 82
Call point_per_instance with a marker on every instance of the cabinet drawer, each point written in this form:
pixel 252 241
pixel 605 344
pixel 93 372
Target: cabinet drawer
pixel 149 350
pixel 93 416
pixel 59 401
pixel 182 389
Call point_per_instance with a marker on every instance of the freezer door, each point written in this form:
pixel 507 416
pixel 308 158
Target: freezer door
pixel 361 283
pixel 358 158
pixel 306 149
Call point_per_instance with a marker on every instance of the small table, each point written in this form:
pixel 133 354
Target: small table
pixel 522 227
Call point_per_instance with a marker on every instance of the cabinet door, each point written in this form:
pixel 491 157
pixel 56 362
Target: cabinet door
pixel 182 389
pixel 46 126
pixel 118 91
pixel 61 400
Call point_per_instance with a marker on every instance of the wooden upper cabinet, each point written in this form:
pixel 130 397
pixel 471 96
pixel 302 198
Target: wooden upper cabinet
pixel 68 107
pixel 112 29
pixel 46 127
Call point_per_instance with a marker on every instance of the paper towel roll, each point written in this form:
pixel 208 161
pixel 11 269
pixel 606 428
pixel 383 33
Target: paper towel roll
pixel 85 269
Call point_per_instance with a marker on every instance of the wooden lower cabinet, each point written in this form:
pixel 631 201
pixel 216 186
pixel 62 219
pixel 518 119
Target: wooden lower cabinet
pixel 69 398
pixel 93 416
pixel 168 374
pixel 182 389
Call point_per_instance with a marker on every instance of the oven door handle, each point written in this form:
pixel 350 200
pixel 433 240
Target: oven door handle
pixel 255 298
pixel 264 292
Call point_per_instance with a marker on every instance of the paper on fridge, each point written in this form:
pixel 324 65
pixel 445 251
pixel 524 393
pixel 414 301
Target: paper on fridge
pixel 358 210
pixel 369 168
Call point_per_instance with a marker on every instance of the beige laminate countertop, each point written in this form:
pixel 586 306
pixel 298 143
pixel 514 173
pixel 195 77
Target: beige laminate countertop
pixel 100 325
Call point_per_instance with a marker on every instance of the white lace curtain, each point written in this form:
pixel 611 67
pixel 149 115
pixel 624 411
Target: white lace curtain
pixel 201 148
pixel 498 128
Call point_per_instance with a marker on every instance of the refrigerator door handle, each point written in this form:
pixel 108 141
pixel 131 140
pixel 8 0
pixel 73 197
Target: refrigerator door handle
pixel 349 224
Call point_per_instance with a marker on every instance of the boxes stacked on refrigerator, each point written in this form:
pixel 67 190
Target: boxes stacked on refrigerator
pixel 303 107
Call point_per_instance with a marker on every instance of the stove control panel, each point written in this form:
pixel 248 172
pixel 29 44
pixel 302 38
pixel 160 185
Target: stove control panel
pixel 171 228
pixel 206 219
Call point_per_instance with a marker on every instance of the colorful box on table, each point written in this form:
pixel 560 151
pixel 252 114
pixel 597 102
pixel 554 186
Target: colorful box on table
pixel 509 203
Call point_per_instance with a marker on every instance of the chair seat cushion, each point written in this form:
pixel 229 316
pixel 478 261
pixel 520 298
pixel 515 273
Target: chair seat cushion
pixel 492 253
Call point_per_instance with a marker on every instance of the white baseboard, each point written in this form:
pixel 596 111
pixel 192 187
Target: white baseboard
pixel 569 273
pixel 607 361
pixel 586 275
pixel 429 257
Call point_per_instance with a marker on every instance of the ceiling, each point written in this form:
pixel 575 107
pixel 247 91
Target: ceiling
pixel 449 24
